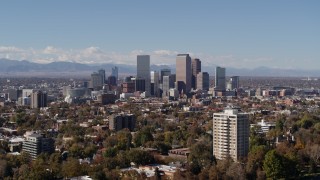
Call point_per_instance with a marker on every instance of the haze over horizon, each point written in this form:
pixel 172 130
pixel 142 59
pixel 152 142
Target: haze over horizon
pixel 250 34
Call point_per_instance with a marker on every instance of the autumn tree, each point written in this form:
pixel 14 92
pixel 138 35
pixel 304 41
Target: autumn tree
pixel 71 168
pixel 200 156
pixel 255 159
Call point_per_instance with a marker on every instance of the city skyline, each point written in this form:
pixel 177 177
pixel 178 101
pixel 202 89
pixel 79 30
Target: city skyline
pixel 229 34
pixel 160 89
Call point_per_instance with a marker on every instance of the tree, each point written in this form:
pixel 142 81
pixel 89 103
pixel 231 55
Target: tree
pixel 76 150
pixel 236 171
pixel 124 139
pixel 222 167
pixel 314 153
pixel 306 121
pixel 123 160
pixel 110 141
pixel 39 170
pixel 140 157
pixel 255 159
pixel 256 139
pixel 143 136
pixel 162 147
pixel 55 162
pixel 280 124
pixel 200 156
pixel 89 150
pixel 23 172
pixel 273 165
pixel 5 169
pixel 4 146
pixel 110 163
pixel 71 168
pixel 110 152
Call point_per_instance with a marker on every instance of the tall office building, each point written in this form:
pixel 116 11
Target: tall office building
pixel 154 83
pixel 203 81
pixel 14 94
pixel 102 73
pixel 115 72
pixel 27 92
pixel 234 81
pixel 164 72
pixel 230 134
pixel 112 80
pixel 168 83
pixel 220 79
pixel 143 71
pixel 196 68
pixel 140 85
pixel 96 81
pixel 39 99
pixel 183 73
pixel 36 144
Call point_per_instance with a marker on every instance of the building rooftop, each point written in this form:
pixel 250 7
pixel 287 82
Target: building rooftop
pixel 35 135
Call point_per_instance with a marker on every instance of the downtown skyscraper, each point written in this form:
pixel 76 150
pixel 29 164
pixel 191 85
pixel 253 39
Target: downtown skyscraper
pixel 143 71
pixel 115 72
pixel 203 81
pixel 154 89
pixel 220 79
pixel 102 73
pixel 196 68
pixel 164 72
pixel 183 73
pixel 234 81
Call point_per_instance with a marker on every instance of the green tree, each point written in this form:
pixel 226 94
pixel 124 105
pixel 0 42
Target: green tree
pixel 124 139
pixel 273 165
pixel 306 121
pixel 140 157
pixel 256 139
pixel 110 152
pixel 162 147
pixel 143 136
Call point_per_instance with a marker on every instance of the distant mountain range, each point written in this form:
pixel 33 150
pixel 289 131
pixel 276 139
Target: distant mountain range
pixel 15 67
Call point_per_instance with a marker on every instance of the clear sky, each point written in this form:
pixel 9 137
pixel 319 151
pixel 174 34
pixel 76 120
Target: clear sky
pixel 238 33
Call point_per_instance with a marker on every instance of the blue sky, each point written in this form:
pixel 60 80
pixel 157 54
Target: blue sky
pixel 246 33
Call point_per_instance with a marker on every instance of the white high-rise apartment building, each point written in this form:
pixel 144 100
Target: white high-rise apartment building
pixel 230 134
pixel 143 71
